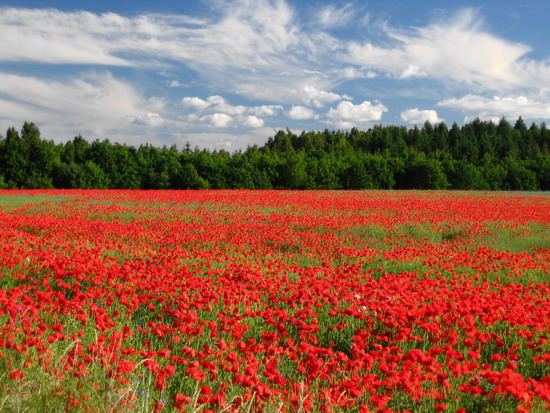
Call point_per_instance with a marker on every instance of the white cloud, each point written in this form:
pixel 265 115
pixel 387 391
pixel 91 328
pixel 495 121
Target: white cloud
pixel 156 104
pixel 218 120
pixel 494 108
pixel 150 119
pixel 223 120
pixel 457 50
pixel 227 140
pixel 218 112
pixel 216 100
pixel 318 98
pixel 253 122
pixel 348 115
pixel 243 47
pixel 224 143
pixel 92 104
pixel 195 102
pixel 412 71
pixel 416 116
pixel 266 110
pixel 221 105
pixel 350 72
pixel 331 16
pixel 301 112
pixel 176 83
pixel 52 36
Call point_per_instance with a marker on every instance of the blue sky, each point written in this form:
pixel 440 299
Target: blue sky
pixel 224 74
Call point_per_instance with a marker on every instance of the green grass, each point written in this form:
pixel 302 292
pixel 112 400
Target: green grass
pixel 520 239
pixel 21 199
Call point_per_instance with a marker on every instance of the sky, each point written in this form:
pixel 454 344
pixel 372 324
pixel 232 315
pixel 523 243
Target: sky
pixel 226 74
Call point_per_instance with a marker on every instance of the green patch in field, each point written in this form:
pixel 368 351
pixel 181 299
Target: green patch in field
pixel 193 206
pixel 519 239
pixel 29 229
pixel 118 216
pixel 11 202
pixel 419 231
pixel 338 332
pixel 396 267
pixel 365 232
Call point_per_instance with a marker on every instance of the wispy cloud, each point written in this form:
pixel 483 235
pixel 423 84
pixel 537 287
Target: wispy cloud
pixel 52 36
pixel 254 42
pixel 456 50
pixel 412 71
pixel 331 16
pixel 288 67
pixel 244 44
pixel 94 103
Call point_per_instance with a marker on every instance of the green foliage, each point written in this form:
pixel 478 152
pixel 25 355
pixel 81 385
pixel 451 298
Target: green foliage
pixel 478 155
pixel 421 172
pixel 466 175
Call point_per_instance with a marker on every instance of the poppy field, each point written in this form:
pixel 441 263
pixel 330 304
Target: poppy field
pixel 274 301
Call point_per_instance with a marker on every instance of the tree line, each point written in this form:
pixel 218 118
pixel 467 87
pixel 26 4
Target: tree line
pixel 478 155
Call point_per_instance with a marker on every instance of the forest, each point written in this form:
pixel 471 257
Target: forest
pixel 478 155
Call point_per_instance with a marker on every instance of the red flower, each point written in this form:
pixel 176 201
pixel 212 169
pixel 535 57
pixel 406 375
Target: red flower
pixel 180 400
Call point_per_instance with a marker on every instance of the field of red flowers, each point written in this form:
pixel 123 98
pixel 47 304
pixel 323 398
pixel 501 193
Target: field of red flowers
pixel 198 301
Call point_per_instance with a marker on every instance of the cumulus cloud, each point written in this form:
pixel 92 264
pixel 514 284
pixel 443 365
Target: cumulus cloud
pixel 301 113
pixel 195 102
pixel 149 119
pixel 221 105
pixel 218 112
pixel 218 120
pixel 496 107
pixel 347 115
pixel 318 98
pixel 266 110
pixel 416 116
pixel 215 102
pixel 253 121
pixel 236 116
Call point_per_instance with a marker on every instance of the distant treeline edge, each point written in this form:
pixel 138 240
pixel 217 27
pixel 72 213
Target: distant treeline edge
pixel 478 155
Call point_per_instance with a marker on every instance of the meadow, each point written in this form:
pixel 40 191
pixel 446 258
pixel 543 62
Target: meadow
pixel 275 301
